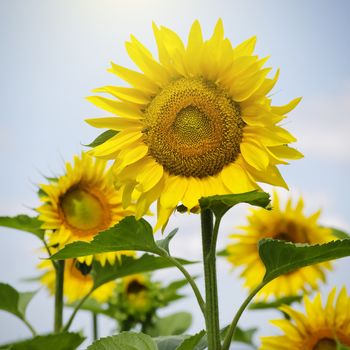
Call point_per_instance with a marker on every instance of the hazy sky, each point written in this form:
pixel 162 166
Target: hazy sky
pixel 55 52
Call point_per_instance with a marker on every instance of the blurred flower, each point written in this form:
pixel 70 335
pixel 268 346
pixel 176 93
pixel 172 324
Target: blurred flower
pixel 321 328
pixel 288 224
pixel 80 204
pixel 77 281
pixel 196 123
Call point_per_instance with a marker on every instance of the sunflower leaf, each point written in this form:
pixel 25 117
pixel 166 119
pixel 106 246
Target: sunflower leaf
pixel 23 223
pixel 102 138
pixel 339 233
pixel 280 257
pixel 13 301
pixel 125 341
pixel 262 305
pixel 182 342
pixel 164 243
pixel 130 266
pixel 128 234
pixel 221 204
pixel 62 341
pixel 173 324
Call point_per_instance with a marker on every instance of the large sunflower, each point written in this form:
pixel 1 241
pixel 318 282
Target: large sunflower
pixel 320 329
pixel 77 281
pixel 196 123
pixel 80 204
pixel 289 224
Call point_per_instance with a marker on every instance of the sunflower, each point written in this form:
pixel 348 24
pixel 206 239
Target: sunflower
pixel 288 224
pixel 80 204
pixel 196 123
pixel 136 293
pixel 320 329
pixel 77 281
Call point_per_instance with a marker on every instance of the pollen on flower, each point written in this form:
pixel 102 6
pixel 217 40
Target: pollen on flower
pixel 193 128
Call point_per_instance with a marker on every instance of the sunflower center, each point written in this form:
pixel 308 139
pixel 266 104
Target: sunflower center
pixel 325 344
pixel 135 287
pixel 193 128
pixel 82 210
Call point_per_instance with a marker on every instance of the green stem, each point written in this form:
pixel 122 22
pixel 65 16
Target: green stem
pixel 34 333
pixel 59 296
pixel 233 325
pixel 95 325
pixel 76 309
pixel 211 293
pixel 190 280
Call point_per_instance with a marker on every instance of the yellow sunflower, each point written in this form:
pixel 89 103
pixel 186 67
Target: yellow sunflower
pixel 77 281
pixel 136 291
pixel 198 122
pixel 320 329
pixel 80 204
pixel 289 224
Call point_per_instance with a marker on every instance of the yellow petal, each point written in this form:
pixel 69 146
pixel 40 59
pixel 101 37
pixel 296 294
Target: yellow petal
pixel 113 123
pixel 149 177
pixel 246 48
pixel 286 108
pixel 254 154
pixel 136 79
pixel 286 152
pixel 120 108
pixel 236 179
pixel 174 190
pixel 126 94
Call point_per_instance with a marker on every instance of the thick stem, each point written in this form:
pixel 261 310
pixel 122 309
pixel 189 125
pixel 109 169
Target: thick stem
pixel 95 325
pixel 211 293
pixel 59 296
pixel 233 325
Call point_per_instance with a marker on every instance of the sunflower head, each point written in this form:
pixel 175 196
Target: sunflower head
pixel 196 122
pixel 321 328
pixel 80 204
pixel 288 224
pixel 77 281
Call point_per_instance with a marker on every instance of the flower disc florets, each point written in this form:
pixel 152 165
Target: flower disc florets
pixel 193 128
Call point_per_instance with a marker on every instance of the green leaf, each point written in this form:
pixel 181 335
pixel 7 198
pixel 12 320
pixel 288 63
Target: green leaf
pixel 339 234
pixel 23 223
pixel 130 266
pixel 102 138
pixel 182 342
pixel 280 257
pixel 62 341
pixel 128 234
pixel 164 243
pixel 125 341
pixel 174 324
pixel 275 304
pixel 223 253
pixel 221 204
pixel 14 302
pixel 244 336
pixel 195 342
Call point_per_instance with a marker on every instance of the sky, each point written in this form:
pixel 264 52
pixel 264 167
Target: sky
pixel 55 52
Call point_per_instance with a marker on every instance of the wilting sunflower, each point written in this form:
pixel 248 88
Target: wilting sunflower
pixel 288 224
pixel 80 204
pixel 197 123
pixel 320 329
pixel 77 281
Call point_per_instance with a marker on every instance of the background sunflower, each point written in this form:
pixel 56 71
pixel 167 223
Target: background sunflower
pixel 287 223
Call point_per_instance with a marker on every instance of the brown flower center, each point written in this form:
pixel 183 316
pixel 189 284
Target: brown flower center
pixel 193 128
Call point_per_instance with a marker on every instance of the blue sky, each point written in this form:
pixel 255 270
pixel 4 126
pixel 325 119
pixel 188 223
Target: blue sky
pixel 55 52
